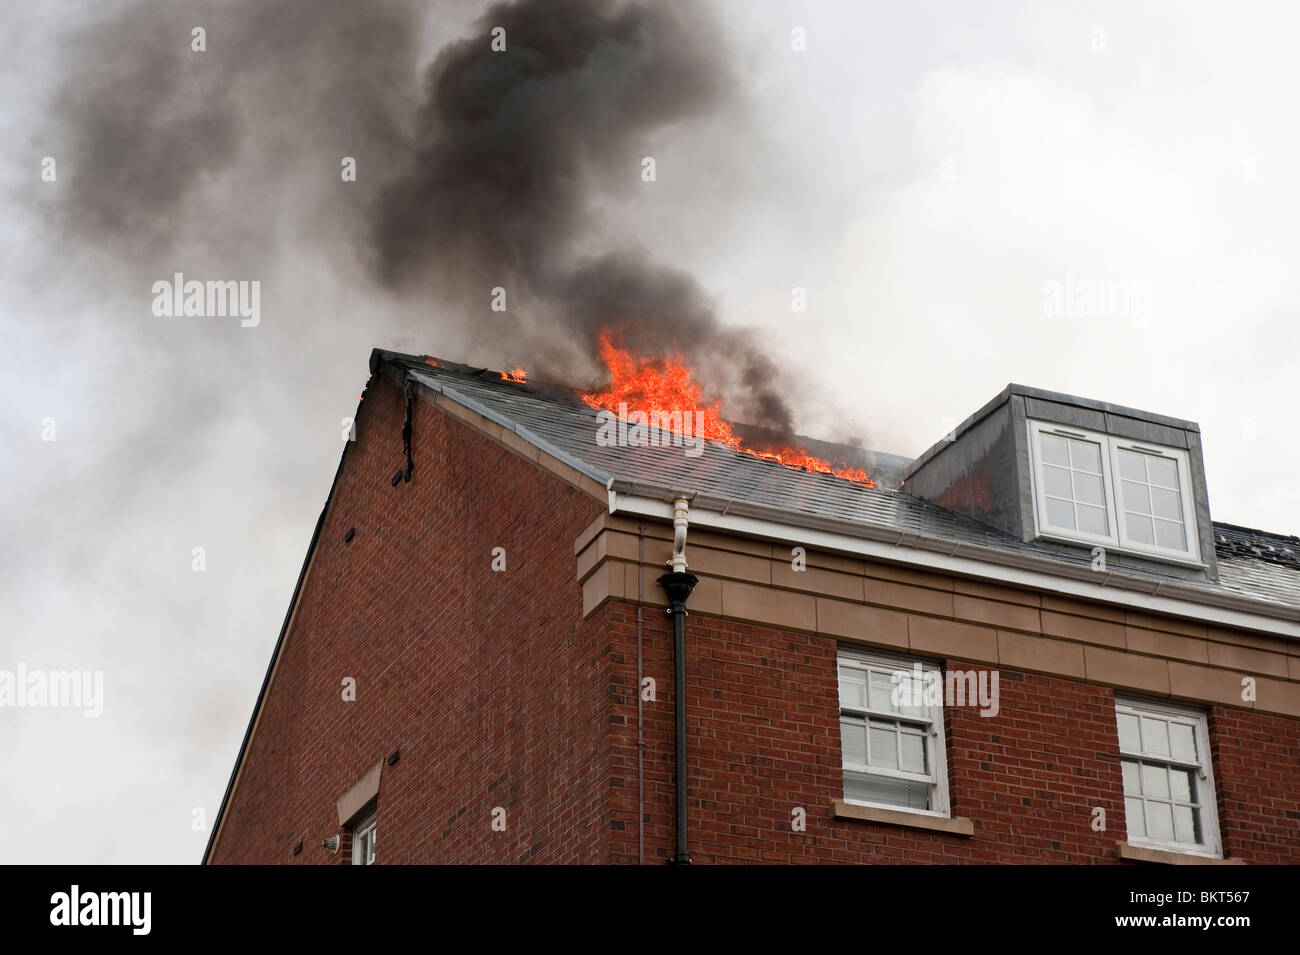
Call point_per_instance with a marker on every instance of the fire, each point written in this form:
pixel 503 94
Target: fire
pixel 665 384
pixel 515 374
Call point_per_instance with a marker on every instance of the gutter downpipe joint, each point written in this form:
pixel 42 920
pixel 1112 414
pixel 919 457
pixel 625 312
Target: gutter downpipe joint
pixel 678 586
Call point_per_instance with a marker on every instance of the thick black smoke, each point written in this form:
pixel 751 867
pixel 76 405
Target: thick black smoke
pixel 491 176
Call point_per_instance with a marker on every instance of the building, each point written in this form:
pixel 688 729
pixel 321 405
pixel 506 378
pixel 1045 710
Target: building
pixel 478 665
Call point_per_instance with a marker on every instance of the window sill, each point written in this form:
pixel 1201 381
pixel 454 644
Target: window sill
pixel 1168 856
pixel 911 820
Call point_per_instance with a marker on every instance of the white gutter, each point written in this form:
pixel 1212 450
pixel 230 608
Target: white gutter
pixel 967 560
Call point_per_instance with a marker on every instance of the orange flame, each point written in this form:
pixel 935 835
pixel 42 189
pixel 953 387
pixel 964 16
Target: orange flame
pixel 665 384
pixel 515 374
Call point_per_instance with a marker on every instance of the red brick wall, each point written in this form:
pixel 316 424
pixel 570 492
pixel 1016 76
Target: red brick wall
pixel 488 683
pixel 763 723
pixel 1257 778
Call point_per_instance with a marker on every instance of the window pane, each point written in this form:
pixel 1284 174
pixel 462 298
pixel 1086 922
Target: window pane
pixel 1185 824
pixel 1184 741
pixel 1056 481
pixel 1155 781
pixel 882 691
pixel 1085 456
pixel 1132 466
pixel 1092 519
pixel 1163 471
pixel 1129 741
pixel 1136 497
pixel 1087 489
pixel 890 792
pixel 1155 736
pixel 884 746
pixel 852 687
pixel 1181 784
pixel 913 753
pixel 1132 785
pixel 1139 528
pixel 1060 514
pixel 1133 810
pixel 1055 450
pixel 1165 504
pixel 853 741
pixel 1170 535
pixel 1160 820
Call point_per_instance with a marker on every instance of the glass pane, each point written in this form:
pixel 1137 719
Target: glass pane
pixel 1056 482
pixel 913 753
pixel 1060 513
pixel 1129 741
pixel 1185 824
pixel 884 747
pixel 1170 535
pixel 1139 528
pixel 1166 504
pixel 1155 781
pixel 1055 450
pixel 1132 466
pixel 1160 820
pixel 1085 456
pixel 882 691
pixel 853 742
pixel 1180 784
pixel 1163 471
pixel 1133 810
pixel 1092 519
pixel 1132 783
pixel 1184 741
pixel 851 687
pixel 890 792
pixel 1136 497
pixel 1087 488
pixel 1155 736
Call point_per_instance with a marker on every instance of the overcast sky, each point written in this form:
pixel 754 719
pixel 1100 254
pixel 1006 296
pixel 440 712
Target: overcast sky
pixel 925 171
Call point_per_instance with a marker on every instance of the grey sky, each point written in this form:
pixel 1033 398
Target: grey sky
pixel 923 170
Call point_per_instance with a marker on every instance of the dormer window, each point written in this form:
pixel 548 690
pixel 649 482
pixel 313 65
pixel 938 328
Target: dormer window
pixel 1093 488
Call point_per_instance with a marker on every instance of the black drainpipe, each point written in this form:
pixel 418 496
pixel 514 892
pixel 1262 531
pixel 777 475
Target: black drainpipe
pixel 678 587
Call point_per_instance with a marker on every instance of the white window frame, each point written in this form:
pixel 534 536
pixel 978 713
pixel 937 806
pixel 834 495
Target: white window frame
pixel 1117 539
pixel 1207 794
pixel 937 750
pixel 369 825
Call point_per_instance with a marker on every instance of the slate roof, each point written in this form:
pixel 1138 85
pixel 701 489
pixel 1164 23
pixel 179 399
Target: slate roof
pixel 1253 564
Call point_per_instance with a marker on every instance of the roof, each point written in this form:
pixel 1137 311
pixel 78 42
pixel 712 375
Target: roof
pixel 1256 565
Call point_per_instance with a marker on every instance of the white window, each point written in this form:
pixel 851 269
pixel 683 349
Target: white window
pixel 363 841
pixel 1098 489
pixel 893 751
pixel 1168 780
